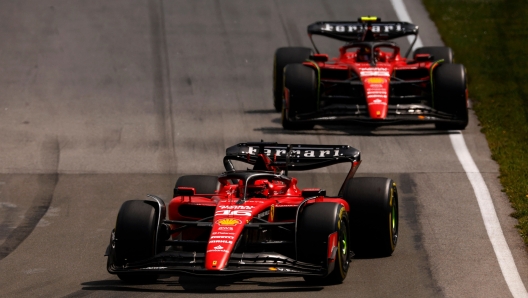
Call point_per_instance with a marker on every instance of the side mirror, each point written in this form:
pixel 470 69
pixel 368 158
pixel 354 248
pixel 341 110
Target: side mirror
pixel 319 57
pixel 423 57
pixel 313 192
pixel 184 191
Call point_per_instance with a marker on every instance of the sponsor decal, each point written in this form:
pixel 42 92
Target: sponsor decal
pixel 218 247
pixel 374 73
pixel 222 233
pixel 382 91
pixel 262 214
pixel 222 237
pixel 376 80
pixel 279 206
pixel 225 228
pixel 234 212
pixel 377 102
pixel 237 207
pixel 348 28
pixel 298 153
pixel 228 222
pixel 272 212
pixel 155 268
pixel 219 250
pixel 221 241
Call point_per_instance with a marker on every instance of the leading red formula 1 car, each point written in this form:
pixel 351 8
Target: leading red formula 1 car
pixel 257 222
pixel 369 82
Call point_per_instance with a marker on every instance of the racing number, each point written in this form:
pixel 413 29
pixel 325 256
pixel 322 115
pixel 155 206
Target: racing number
pixel 234 212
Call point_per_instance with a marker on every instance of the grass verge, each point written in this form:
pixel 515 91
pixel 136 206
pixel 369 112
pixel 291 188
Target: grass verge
pixel 490 37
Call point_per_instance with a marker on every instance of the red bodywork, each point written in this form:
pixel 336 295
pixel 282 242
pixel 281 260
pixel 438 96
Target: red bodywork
pixel 264 199
pixel 375 78
pixel 370 82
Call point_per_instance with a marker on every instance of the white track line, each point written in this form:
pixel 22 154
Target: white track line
pixel 489 215
pixel 487 210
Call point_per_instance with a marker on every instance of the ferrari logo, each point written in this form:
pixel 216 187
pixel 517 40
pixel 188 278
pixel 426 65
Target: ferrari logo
pixel 214 263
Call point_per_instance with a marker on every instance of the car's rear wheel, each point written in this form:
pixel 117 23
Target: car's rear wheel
pixel 135 235
pixel 300 84
pixel 315 224
pixel 438 53
pixel 450 94
pixel 283 57
pixel 203 184
pixel 373 214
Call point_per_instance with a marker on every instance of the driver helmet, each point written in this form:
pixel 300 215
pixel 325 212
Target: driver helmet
pixel 363 54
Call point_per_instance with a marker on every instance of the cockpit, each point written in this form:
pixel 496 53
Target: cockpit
pixel 254 184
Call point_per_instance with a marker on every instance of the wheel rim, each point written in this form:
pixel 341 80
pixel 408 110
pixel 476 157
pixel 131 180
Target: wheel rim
pixel 343 246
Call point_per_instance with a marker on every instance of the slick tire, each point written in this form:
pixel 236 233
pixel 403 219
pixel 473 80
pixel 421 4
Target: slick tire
pixel 283 57
pixel 373 215
pixel 135 234
pixel 450 95
pixel 300 82
pixel 438 53
pixel 203 184
pixel 315 224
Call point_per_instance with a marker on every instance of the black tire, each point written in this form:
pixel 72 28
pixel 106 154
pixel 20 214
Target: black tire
pixel 203 184
pixel 315 223
pixel 373 214
pixel 283 57
pixel 450 94
pixel 301 84
pixel 135 231
pixel 438 53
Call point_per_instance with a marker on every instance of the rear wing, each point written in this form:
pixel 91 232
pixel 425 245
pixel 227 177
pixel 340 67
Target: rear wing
pixel 365 29
pixel 293 157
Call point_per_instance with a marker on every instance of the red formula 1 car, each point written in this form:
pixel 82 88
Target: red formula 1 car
pixel 369 82
pixel 257 222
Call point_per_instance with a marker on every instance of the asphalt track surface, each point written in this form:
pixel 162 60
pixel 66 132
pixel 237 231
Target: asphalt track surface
pixel 105 101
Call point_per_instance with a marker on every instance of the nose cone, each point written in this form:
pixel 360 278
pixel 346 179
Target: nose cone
pixel 377 95
pixel 377 111
pixel 223 238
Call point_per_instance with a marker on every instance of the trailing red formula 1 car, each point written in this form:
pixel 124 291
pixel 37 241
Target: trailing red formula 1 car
pixel 257 222
pixel 369 82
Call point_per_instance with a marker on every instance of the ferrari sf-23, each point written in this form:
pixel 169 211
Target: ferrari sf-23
pixel 369 82
pixel 258 222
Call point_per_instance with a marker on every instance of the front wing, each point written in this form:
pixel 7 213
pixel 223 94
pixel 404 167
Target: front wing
pixel 180 263
pixel 396 114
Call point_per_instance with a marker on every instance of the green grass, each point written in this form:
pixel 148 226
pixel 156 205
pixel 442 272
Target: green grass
pixel 490 38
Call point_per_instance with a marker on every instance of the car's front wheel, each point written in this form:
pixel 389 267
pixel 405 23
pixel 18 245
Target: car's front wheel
pixel 318 224
pixel 300 88
pixel 283 57
pixel 135 238
pixel 450 95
